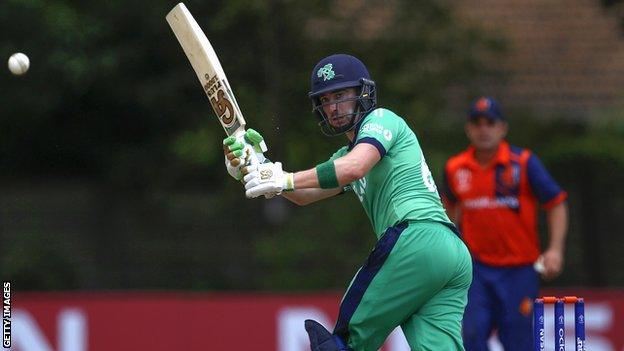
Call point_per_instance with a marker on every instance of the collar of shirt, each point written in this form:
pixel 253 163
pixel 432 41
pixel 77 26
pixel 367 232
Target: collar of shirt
pixel 501 157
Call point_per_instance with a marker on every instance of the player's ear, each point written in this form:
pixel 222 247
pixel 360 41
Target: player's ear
pixel 467 129
pixel 504 128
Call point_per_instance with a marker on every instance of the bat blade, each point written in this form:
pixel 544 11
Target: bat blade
pixel 206 64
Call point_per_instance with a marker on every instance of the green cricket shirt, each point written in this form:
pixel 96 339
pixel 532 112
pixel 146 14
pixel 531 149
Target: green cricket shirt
pixel 400 186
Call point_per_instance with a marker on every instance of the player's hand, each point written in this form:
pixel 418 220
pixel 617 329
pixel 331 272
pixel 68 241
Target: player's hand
pixel 553 263
pixel 267 179
pixel 241 150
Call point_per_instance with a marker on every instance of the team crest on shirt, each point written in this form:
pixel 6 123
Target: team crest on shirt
pixel 510 177
pixel 463 180
pixel 508 185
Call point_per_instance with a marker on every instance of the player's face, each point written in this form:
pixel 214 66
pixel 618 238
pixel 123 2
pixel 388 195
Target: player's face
pixel 337 110
pixel 486 134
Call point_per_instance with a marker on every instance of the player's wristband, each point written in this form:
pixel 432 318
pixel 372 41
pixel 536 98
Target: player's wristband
pixel 289 181
pixel 326 173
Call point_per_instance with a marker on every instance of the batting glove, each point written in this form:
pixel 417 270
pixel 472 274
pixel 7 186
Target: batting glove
pixel 267 179
pixel 241 150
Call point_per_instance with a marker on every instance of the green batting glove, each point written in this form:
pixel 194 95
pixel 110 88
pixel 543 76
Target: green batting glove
pixel 238 150
pixel 256 140
pixel 251 136
pixel 233 145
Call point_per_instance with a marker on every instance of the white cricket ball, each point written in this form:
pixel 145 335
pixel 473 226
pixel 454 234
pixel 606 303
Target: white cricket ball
pixel 18 63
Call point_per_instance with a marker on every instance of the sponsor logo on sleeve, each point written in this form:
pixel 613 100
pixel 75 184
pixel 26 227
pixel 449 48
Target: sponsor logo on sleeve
pixel 377 129
pixel 387 134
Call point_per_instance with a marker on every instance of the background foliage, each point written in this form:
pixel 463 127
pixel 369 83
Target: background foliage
pixel 110 157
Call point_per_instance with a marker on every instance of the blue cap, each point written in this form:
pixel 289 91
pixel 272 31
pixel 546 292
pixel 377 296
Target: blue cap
pixel 337 72
pixel 487 107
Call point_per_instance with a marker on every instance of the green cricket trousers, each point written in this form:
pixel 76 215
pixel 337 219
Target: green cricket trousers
pixel 416 277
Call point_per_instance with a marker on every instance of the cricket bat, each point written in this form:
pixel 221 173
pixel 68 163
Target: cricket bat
pixel 207 67
pixel 211 76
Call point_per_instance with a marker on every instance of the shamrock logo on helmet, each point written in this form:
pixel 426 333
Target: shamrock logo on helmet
pixel 326 72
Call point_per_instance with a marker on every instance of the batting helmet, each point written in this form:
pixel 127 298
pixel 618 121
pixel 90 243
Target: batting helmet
pixel 338 72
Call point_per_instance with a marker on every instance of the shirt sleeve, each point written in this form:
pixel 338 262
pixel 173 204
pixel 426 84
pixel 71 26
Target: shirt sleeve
pixel 380 129
pixel 544 187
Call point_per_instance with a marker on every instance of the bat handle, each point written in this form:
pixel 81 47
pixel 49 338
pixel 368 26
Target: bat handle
pixel 254 157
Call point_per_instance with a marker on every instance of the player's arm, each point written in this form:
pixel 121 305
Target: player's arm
pixel 304 197
pixel 552 198
pixel 348 168
pixel 557 218
pixel 331 175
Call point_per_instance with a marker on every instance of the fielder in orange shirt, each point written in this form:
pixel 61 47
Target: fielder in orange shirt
pixel 492 191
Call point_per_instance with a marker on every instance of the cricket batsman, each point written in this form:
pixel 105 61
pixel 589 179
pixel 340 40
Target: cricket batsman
pixel 418 274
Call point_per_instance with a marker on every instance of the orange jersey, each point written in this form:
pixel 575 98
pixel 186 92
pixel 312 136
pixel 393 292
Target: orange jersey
pixel 498 203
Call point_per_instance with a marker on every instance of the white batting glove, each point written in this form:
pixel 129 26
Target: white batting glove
pixel 241 150
pixel 267 179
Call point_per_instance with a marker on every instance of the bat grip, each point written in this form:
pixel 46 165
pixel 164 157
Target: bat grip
pixel 254 158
